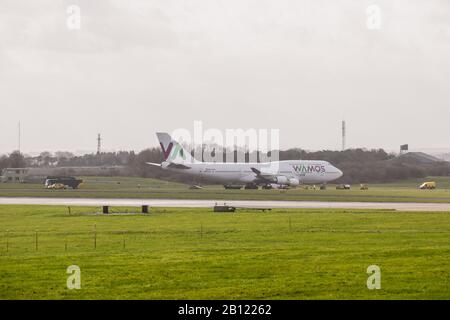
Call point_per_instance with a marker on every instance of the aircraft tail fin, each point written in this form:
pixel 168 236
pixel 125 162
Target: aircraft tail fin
pixel 172 150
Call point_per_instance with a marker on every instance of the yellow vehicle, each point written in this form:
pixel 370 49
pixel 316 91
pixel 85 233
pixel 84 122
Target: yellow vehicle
pixel 428 185
pixel 57 186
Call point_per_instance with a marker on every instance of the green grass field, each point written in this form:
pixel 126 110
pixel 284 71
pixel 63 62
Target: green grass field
pixel 198 254
pixel 121 187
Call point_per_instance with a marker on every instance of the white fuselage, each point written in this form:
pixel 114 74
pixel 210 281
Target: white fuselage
pixel 295 171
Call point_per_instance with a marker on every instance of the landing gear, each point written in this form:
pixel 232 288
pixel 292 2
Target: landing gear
pixel 251 186
pixel 323 187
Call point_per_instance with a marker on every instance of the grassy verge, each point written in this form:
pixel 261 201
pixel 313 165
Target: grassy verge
pixel 119 187
pixel 197 254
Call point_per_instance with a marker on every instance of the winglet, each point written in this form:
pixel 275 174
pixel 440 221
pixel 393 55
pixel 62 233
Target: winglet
pixel 154 164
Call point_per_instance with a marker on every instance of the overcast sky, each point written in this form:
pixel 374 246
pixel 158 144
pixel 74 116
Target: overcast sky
pixel 136 67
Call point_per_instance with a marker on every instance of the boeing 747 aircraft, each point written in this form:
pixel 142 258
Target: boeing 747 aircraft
pixel 279 173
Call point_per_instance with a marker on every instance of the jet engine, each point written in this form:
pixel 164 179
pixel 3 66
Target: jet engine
pixel 281 180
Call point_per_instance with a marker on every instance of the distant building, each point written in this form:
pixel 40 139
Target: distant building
pixel 418 157
pixel 38 175
pixel 445 156
pixel 16 175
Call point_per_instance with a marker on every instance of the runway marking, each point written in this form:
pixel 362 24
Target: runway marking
pixel 180 203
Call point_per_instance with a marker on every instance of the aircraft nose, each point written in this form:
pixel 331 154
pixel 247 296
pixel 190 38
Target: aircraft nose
pixel 339 173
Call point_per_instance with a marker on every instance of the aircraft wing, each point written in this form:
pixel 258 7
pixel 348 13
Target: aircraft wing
pixel 262 176
pixel 170 165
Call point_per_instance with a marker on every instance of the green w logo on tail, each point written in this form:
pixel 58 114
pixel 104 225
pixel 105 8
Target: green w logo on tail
pixel 172 150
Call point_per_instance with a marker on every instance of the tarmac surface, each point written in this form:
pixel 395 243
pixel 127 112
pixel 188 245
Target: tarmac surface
pixel 179 203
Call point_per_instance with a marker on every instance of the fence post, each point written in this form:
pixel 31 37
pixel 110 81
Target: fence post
pixel 95 236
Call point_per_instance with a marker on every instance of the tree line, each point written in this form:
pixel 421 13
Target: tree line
pixel 358 165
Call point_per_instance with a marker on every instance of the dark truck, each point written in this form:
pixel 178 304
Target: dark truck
pixel 70 182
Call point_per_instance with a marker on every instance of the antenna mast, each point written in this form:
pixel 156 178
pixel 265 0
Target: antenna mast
pixel 99 144
pixel 19 137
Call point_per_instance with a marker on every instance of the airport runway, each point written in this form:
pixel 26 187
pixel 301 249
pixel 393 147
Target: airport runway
pixel 400 206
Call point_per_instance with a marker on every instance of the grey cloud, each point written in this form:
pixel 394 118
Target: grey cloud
pixel 140 66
